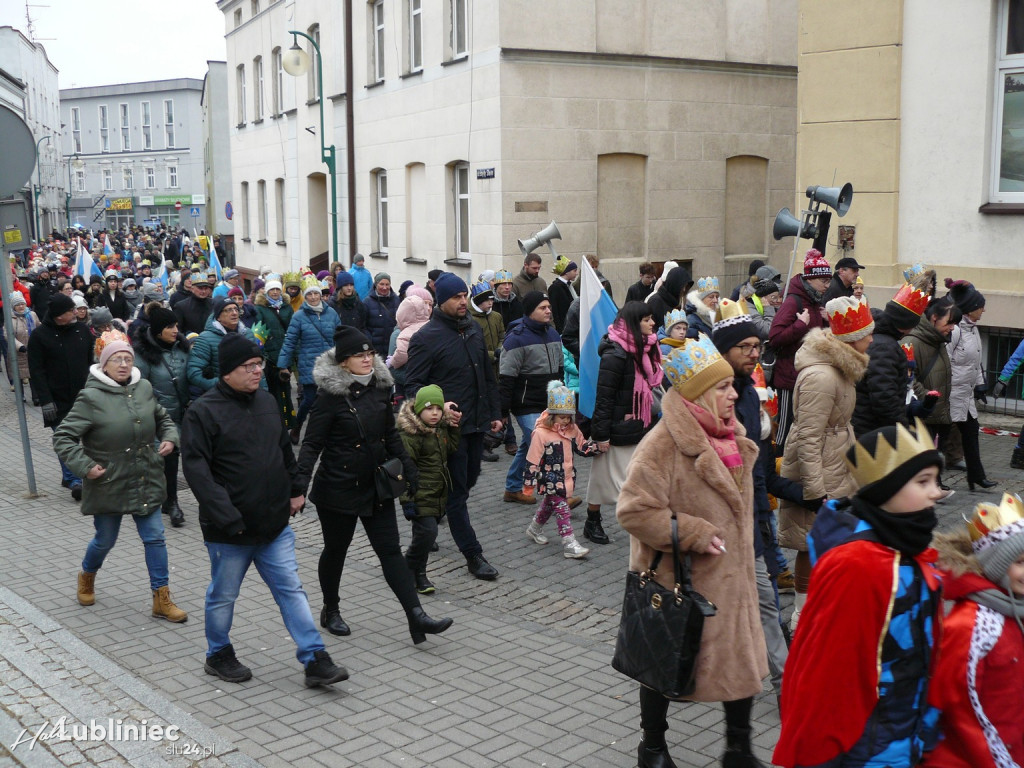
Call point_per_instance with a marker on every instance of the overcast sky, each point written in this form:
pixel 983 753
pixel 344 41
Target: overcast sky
pixel 102 42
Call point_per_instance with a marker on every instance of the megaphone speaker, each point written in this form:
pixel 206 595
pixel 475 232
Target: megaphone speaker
pixel 788 225
pixel 544 237
pixel 838 198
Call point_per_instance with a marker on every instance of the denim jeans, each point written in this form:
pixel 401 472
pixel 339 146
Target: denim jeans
pixel 278 567
pixel 68 477
pixel 151 531
pixel 516 472
pixel 775 642
pixel 308 396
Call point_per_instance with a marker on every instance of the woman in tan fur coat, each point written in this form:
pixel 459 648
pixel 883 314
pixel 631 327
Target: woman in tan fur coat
pixel 829 364
pixel 696 465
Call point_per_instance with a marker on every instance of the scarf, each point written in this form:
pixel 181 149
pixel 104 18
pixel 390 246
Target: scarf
pixel 910 534
pixel 721 433
pixel 813 294
pixel 318 308
pixel 27 316
pixel 645 378
pixel 275 303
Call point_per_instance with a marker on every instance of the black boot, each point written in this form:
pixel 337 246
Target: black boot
pixel 1017 460
pixel 653 757
pixel 330 619
pixel 323 671
pixel 421 625
pixel 176 515
pixel 225 665
pixel 737 736
pixel 423 585
pixel 592 528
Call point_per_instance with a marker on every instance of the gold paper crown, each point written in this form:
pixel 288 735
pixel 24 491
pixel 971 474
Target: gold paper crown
pixel 695 367
pixel 707 285
pixel 911 298
pixel 310 283
pixel 988 519
pixel 728 308
pixel 867 467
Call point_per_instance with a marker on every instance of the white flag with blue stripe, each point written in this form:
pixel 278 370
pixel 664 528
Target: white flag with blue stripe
pixel 597 312
pixel 214 261
pixel 84 265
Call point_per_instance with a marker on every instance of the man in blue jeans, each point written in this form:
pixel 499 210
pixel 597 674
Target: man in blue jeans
pixel 237 457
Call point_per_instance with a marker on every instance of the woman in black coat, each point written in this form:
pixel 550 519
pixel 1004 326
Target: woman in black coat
pixel 351 428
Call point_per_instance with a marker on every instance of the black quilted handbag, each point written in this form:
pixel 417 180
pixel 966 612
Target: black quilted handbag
pixel 660 631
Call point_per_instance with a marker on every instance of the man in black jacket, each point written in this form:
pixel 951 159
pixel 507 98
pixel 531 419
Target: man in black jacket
pixel 184 289
pixel 113 298
pixel 847 271
pixel 40 292
pixel 642 288
pixel 449 351
pixel 237 457
pixel 193 312
pixel 59 355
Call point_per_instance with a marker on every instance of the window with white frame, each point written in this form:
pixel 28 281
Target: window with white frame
pixel 169 123
pixel 104 129
pixel 280 209
pixel 127 177
pixel 458 27
pixel 460 181
pixel 147 126
pixel 150 177
pixel 415 52
pixel 126 138
pixel 240 93
pixel 278 76
pixel 377 39
pixel 261 209
pixel 381 195
pixel 238 17
pixel 245 209
pixel 172 176
pixel 254 7
pixel 313 77
pixel 80 181
pixel 108 179
pixel 257 88
pixel 1008 126
pixel 76 129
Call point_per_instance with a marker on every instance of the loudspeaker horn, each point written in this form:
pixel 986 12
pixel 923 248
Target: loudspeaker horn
pixel 838 198
pixel 544 237
pixel 788 225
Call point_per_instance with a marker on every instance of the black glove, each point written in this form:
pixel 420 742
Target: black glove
pixel 284 375
pixel 409 510
pixel 999 388
pixel 980 393
pixel 814 505
pixel 49 414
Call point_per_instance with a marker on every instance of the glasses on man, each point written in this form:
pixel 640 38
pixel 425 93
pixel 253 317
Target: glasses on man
pixel 253 367
pixel 749 349
pixel 122 361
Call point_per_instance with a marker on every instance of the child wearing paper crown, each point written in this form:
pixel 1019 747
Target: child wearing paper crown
pixel 549 467
pixel 429 440
pixel 978 671
pixel 872 616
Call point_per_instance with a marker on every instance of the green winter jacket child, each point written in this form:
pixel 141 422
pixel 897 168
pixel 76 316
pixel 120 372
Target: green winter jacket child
pixel 429 448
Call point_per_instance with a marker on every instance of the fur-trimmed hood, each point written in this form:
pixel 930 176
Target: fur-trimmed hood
pixel 413 310
pixel 702 310
pixel 955 552
pixel 820 347
pixel 335 380
pixel 411 424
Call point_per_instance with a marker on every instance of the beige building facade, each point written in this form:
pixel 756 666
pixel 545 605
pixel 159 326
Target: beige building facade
pixel 647 130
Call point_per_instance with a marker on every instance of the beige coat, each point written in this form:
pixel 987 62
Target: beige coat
pixel 675 470
pixel 823 400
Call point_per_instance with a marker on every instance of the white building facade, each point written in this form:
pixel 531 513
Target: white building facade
pixel 28 86
pixel 647 130
pixel 135 151
pixel 216 150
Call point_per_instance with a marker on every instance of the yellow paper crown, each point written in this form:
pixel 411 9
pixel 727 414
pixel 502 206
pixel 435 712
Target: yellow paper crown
pixel 867 467
pixel 988 520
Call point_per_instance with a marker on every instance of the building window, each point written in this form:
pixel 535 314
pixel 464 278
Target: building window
pixel 261 208
pixel 414 35
pixel 380 183
pixel 172 176
pixel 240 93
pixel 457 22
pixel 127 178
pixel 104 129
pixel 313 77
pixel 257 88
pixel 108 179
pixel 245 209
pixel 238 17
pixel 150 177
pixel 460 200
pixel 80 181
pixel 278 74
pixel 746 205
pixel 1008 126
pixel 126 139
pixel 147 129
pixel 76 129
pixel 377 39
pixel 280 211
pixel 254 6
pixel 169 123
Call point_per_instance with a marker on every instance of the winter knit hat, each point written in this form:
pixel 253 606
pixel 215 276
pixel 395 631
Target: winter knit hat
pixel 997 537
pixel 271 285
pixel 381 276
pixel 152 292
pixel 100 316
pixel 322 274
pixel 220 304
pixel 815 265
pixel 17 298
pixel 235 291
pixel 448 285
pixel 80 303
pixel 340 279
pixel 434 274
pixel 59 304
pixel 428 395
pixel 884 460
pixel 349 341
pixel 109 344
pixel 965 295
pixel 696 367
pixel 849 318
pixel 561 399
pixel 532 300
pixel 234 350
pixel 906 307
pixel 160 318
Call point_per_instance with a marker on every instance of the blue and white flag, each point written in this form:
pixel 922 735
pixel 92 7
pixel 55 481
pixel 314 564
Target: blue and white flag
pixel 214 261
pixel 597 312
pixel 84 265
pixel 162 274
pixel 107 249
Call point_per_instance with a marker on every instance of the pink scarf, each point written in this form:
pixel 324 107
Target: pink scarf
pixel 645 379
pixel 721 434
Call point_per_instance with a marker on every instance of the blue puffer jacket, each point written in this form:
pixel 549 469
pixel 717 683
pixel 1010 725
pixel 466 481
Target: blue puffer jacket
pixel 202 369
pixel 380 320
pixel 363 280
pixel 310 334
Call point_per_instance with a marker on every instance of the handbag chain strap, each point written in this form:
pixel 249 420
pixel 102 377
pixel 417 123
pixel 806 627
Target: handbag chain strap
pixel 682 567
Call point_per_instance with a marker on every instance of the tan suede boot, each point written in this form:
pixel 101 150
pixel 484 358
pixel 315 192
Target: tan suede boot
pixel 86 581
pixel 164 607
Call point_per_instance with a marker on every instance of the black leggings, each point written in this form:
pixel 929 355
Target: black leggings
pixel 171 474
pixel 382 531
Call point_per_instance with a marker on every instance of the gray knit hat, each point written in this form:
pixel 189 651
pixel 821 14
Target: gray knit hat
pixel 997 536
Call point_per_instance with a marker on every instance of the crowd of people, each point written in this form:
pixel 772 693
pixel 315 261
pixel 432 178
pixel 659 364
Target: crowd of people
pixel 787 417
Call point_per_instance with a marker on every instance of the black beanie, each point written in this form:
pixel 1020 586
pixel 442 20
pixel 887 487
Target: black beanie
pixel 531 301
pixel 349 341
pixel 234 350
pixel 965 295
pixel 59 304
pixel 160 318
pixel 219 304
pixel 905 319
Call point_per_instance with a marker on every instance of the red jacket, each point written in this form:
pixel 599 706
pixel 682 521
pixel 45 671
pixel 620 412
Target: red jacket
pixel 787 333
pixel 983 659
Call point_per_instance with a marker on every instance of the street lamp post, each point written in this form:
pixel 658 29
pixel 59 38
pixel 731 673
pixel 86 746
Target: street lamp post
pixel 39 185
pixel 67 206
pixel 296 63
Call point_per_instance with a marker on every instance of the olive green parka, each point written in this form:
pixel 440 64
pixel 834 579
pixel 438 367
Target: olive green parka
pixel 429 448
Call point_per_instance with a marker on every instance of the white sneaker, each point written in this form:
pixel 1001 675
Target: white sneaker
pixel 533 531
pixel 572 549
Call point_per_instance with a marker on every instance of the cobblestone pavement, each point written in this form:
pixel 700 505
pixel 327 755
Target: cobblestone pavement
pixel 523 678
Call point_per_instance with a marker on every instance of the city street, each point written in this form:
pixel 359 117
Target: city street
pixel 522 679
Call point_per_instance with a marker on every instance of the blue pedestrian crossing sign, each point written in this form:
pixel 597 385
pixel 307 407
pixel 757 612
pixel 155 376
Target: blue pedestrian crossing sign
pixel 194 212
